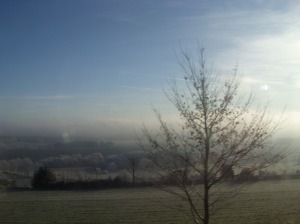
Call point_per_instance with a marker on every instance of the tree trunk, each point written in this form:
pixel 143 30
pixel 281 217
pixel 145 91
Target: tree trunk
pixel 133 171
pixel 206 184
pixel 206 204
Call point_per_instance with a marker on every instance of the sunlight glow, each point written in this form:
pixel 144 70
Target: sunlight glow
pixel 264 87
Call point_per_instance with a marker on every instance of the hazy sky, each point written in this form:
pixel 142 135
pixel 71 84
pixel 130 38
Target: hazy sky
pixel 97 67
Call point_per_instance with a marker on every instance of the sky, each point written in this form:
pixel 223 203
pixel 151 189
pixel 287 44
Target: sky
pixel 97 68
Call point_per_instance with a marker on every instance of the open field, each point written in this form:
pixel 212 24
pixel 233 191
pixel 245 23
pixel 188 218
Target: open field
pixel 262 202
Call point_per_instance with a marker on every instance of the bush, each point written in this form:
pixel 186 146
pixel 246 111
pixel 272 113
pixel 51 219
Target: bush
pixel 4 180
pixel 43 178
pixel 246 175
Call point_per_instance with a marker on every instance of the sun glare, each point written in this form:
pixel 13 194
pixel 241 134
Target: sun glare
pixel 264 87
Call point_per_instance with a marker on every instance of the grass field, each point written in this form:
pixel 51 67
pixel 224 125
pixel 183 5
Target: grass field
pixel 262 202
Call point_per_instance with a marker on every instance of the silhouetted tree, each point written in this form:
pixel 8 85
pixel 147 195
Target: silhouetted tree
pixel 133 165
pixel 227 172
pixel 219 130
pixel 43 178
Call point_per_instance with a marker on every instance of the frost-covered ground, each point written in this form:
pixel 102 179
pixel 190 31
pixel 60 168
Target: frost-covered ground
pixel 261 202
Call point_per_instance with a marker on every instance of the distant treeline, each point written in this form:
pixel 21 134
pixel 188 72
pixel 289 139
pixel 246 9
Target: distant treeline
pixel 93 185
pixel 95 161
pixel 98 184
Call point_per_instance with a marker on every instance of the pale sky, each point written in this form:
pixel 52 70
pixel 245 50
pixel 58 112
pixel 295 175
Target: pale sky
pixel 96 68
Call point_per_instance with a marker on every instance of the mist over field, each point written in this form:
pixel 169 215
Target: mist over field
pixel 43 148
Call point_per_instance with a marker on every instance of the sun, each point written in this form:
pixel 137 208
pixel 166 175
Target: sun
pixel 264 87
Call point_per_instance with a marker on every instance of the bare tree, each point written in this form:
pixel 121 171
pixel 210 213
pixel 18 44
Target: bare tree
pixel 219 132
pixel 133 162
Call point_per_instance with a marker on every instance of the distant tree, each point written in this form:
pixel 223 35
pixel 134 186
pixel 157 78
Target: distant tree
pixel 43 178
pixel 246 174
pixel 133 165
pixel 26 166
pixel 227 172
pixel 124 176
pixel 14 165
pixel 219 130
pixel 4 180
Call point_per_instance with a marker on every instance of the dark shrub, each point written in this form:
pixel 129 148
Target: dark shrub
pixel 43 178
